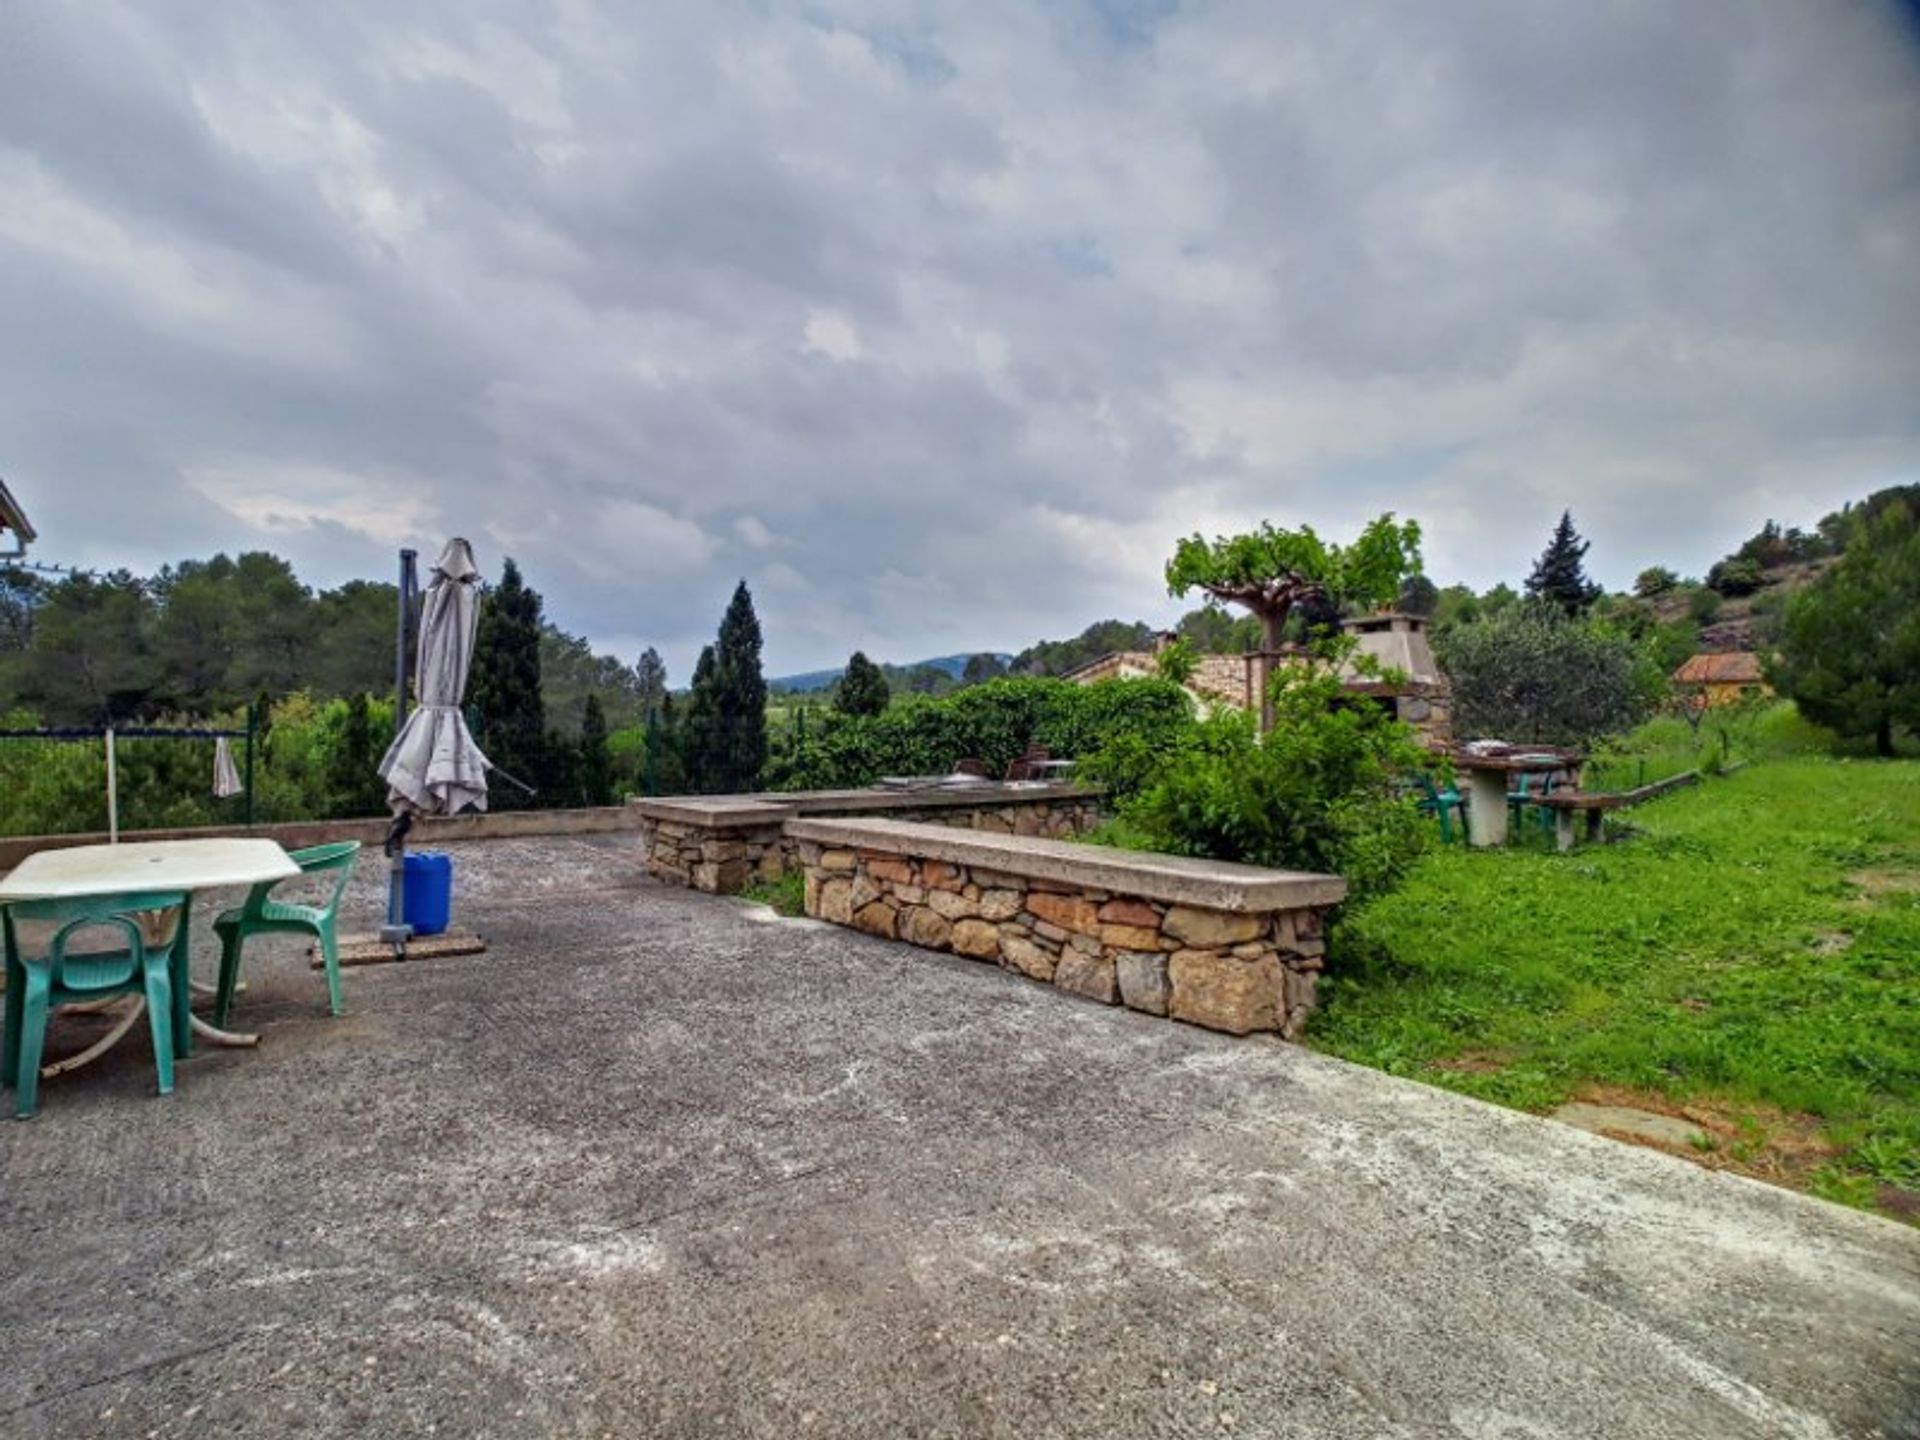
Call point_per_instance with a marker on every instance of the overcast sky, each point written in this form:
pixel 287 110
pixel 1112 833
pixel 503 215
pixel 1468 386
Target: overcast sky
pixel 939 323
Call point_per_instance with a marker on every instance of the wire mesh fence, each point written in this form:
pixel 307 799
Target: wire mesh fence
pixel 79 779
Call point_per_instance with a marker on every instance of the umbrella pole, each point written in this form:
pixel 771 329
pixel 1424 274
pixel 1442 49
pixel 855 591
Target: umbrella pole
pixel 396 932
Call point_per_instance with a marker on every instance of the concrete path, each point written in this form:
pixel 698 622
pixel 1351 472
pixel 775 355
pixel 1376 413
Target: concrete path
pixel 653 1168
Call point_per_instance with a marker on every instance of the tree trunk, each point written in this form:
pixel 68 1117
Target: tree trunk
pixel 1883 738
pixel 1272 623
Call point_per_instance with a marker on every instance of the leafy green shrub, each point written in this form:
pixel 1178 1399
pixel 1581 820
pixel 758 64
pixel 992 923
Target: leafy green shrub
pixel 994 722
pixel 1738 575
pixel 1178 661
pixel 1321 791
pixel 1654 580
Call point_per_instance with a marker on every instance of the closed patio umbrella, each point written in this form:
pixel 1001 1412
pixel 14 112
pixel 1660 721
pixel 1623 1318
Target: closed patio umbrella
pixel 434 767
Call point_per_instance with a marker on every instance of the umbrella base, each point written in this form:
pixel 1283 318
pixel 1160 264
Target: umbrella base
pixel 372 950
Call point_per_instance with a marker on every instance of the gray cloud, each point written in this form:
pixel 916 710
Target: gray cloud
pixel 939 323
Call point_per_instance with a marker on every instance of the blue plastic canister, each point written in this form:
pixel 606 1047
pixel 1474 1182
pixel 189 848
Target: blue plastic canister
pixel 427 902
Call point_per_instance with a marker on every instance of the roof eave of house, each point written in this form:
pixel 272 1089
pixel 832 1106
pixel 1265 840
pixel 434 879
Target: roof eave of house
pixel 12 517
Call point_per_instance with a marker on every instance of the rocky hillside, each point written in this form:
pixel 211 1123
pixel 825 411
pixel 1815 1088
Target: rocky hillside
pixel 1743 622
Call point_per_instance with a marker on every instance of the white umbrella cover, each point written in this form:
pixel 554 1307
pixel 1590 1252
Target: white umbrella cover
pixel 433 766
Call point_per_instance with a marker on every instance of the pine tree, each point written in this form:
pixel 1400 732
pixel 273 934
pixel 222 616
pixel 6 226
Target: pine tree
pixel 740 696
pixel 1559 578
pixel 862 689
pixel 596 764
pixel 1850 649
pixel 700 728
pixel 505 693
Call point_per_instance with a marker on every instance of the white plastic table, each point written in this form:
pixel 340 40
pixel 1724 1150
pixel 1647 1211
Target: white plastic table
pixel 183 865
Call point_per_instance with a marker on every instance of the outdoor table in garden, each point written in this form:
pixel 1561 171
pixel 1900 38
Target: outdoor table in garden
pixel 1488 775
pixel 183 865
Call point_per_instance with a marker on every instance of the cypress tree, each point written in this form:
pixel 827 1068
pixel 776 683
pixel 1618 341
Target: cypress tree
pixel 670 773
pixel 505 693
pixel 352 773
pixel 596 764
pixel 700 728
pixel 862 689
pixel 740 699
pixel 1558 576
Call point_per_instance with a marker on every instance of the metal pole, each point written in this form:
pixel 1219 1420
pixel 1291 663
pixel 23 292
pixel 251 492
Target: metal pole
pixel 113 794
pixel 250 728
pixel 396 932
pixel 407 558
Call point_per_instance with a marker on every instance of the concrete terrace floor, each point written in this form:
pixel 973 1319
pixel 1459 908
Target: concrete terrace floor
pixel 654 1167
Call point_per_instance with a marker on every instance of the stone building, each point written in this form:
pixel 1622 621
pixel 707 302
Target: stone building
pixel 1418 693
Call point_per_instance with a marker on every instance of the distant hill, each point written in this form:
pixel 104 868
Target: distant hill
pixel 813 681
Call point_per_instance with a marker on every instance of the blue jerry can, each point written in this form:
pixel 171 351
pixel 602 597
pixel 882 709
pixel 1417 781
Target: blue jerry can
pixel 427 901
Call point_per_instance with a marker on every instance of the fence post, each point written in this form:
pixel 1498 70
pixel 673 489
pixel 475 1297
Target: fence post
pixel 251 708
pixel 113 794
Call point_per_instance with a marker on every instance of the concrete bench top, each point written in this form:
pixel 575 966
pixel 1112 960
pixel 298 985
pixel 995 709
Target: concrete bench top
pixel 728 811
pixel 1582 800
pixel 1174 879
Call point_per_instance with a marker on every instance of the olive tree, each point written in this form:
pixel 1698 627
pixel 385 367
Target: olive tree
pixel 1537 675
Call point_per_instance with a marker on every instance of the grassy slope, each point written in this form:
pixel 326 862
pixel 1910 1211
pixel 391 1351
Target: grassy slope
pixel 1756 949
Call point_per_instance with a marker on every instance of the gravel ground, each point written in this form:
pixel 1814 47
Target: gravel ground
pixel 657 1165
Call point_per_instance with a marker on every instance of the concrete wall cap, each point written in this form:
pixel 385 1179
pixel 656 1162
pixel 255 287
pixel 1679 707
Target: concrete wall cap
pixel 712 812
pixel 731 811
pixel 1174 879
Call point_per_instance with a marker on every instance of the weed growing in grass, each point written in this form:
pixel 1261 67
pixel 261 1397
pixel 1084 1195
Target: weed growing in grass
pixel 786 896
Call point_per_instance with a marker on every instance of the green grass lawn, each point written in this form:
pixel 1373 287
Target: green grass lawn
pixel 1749 956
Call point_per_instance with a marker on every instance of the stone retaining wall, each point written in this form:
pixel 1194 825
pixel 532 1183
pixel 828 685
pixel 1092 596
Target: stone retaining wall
pixel 1134 930
pixel 722 844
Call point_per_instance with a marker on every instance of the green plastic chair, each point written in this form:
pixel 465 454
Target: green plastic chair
pixel 62 974
pixel 1523 806
pixel 1437 802
pixel 263 915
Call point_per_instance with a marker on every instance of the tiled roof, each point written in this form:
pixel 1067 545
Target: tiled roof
pixel 1736 667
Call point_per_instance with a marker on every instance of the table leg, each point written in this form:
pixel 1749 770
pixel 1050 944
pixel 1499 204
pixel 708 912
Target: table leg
pixel 10 1044
pixel 207 1031
pixel 180 974
pixel 1487 817
pixel 1563 829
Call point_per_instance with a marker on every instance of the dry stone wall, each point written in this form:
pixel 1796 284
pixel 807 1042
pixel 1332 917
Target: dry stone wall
pixel 1236 971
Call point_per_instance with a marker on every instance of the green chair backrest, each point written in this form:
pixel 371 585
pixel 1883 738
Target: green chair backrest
pixel 96 968
pixel 337 858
